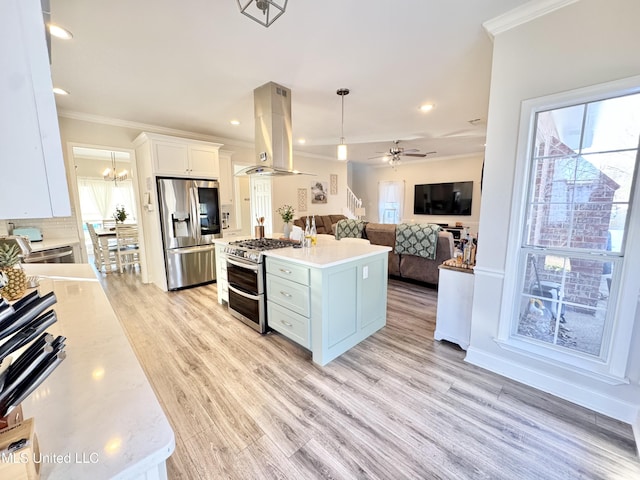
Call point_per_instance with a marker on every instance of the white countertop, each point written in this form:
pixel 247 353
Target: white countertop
pixel 328 253
pixel 48 243
pixel 97 405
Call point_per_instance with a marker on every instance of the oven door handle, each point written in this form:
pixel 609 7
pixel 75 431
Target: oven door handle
pixel 245 265
pixel 244 294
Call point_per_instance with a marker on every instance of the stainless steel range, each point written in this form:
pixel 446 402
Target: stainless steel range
pixel 246 276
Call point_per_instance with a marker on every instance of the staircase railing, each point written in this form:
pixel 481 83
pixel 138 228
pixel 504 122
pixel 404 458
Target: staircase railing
pixel 353 203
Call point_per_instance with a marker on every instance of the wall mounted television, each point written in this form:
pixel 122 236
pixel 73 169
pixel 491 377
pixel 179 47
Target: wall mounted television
pixel 443 198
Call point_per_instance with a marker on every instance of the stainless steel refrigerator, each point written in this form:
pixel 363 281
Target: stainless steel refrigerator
pixel 190 220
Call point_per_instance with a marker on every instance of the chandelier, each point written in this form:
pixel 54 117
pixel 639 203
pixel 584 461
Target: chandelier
pixel 111 174
pixel 265 12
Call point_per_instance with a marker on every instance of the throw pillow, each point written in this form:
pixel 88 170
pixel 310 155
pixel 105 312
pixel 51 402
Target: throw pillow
pixel 349 228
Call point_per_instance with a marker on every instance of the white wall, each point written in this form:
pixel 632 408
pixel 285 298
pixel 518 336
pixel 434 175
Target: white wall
pixel 285 189
pixel 586 43
pixel 366 179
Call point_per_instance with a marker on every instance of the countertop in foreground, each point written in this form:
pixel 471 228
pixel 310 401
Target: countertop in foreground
pixel 96 411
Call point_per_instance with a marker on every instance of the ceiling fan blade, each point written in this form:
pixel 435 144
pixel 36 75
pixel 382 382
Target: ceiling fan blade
pixel 379 156
pixel 418 154
pixel 412 150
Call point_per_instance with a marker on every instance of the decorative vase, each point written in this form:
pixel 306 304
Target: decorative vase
pixel 287 230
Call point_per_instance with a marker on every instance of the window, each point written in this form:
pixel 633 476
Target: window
pixel 582 169
pixel 390 201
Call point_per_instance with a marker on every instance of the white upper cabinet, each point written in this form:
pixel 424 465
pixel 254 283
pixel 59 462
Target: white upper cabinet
pixel 33 183
pixel 180 156
pixel 226 178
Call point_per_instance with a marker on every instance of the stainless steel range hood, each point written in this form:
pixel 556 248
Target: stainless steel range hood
pixel 274 137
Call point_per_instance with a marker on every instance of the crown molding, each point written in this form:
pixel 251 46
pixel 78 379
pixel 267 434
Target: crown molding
pixel 523 14
pixel 145 127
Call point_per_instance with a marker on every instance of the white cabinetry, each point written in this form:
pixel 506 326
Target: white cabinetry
pixel 455 301
pixel 226 178
pixel 180 156
pixel 221 274
pixel 33 171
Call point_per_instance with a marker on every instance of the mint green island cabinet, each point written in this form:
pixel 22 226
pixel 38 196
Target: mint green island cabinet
pixel 327 298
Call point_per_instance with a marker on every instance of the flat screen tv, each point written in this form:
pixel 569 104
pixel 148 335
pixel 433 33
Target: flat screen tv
pixel 443 198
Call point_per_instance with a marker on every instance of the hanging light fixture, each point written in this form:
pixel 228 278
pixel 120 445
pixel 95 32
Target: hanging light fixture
pixel 112 175
pixel 265 12
pixel 342 148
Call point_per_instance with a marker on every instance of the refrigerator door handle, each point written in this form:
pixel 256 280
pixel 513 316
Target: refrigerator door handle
pixel 189 250
pixel 195 212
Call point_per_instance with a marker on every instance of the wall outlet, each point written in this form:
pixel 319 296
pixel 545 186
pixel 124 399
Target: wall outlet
pixel 365 272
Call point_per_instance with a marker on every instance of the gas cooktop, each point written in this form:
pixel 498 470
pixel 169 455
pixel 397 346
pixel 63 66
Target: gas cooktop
pixel 251 249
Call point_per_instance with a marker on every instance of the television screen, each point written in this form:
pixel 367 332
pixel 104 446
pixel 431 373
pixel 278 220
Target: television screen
pixel 443 199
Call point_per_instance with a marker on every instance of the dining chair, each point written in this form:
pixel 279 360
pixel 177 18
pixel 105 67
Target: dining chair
pixel 104 259
pixel 109 223
pixel 128 248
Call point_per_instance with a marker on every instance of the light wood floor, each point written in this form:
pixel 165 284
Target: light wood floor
pixel 399 405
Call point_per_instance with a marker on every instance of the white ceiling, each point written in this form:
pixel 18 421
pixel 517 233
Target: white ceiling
pixel 192 65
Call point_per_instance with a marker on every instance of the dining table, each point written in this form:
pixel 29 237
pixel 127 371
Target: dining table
pixel 107 236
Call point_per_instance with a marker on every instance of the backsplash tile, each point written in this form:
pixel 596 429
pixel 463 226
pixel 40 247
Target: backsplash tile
pixel 58 227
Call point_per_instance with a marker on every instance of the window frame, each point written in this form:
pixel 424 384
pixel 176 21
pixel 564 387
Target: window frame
pixel 611 367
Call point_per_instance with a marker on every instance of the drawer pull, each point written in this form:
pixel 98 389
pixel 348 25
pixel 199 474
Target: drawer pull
pixel 288 295
pixel 286 323
pixel 283 270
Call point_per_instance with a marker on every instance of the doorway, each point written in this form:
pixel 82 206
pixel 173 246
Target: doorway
pixel 104 185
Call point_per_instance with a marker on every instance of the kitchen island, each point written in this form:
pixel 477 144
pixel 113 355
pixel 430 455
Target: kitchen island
pixel 96 416
pixel 327 298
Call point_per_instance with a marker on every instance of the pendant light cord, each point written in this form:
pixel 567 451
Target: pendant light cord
pixel 342 92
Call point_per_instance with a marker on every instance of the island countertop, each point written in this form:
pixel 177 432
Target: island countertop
pixel 96 411
pixel 327 253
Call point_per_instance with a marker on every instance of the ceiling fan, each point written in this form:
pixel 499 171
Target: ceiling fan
pixel 393 155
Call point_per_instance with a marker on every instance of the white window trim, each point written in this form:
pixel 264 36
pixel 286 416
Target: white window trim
pixel 615 365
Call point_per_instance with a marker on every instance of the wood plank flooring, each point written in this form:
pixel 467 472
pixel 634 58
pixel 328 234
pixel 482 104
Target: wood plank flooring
pixel 398 406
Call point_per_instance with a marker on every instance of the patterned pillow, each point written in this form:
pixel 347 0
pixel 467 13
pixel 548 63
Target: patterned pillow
pixel 417 239
pixel 349 228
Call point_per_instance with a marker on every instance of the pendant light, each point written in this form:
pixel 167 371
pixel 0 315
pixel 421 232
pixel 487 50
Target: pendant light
pixel 265 12
pixel 342 148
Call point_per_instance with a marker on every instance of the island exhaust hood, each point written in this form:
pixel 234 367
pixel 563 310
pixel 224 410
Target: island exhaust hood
pixel 274 137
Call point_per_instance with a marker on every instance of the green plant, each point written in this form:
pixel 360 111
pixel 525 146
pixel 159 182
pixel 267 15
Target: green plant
pixel 9 255
pixel 120 215
pixel 286 212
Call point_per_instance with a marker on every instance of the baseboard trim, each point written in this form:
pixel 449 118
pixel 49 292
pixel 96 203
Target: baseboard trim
pixel 578 394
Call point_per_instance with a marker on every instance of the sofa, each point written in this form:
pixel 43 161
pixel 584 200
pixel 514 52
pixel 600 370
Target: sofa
pixel 324 223
pixel 408 267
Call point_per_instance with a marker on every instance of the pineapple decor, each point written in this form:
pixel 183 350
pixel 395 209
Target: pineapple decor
pixel 16 279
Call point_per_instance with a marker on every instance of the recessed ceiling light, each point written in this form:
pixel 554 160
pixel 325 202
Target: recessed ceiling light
pixel 235 122
pixel 302 141
pixel 60 32
pixel 426 107
pixel 60 91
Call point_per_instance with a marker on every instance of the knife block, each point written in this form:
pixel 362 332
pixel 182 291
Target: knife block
pixel 22 464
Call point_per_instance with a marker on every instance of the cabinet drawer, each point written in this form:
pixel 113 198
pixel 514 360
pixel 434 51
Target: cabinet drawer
pixel 290 271
pixel 289 294
pixel 289 324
